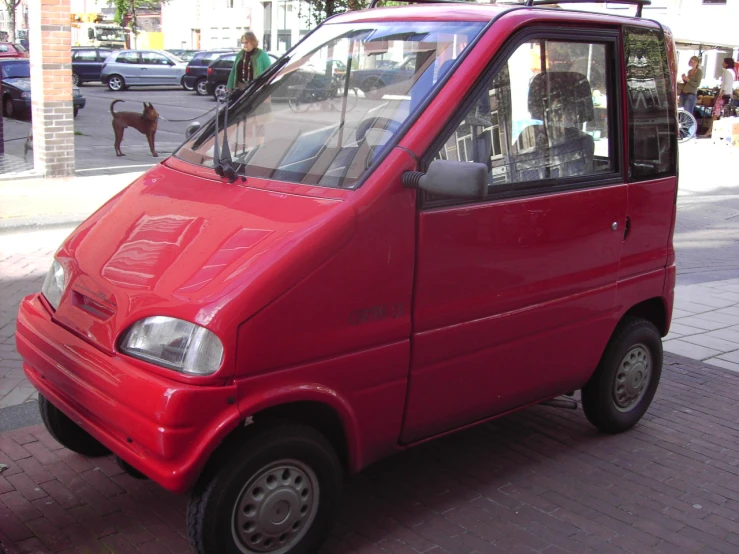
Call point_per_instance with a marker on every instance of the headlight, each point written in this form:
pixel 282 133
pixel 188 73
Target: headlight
pixel 76 93
pixel 175 344
pixel 54 284
pixel 25 94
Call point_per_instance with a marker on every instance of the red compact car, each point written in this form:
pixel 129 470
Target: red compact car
pixel 306 287
pixel 12 50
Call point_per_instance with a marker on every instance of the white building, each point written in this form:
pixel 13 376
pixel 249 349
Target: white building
pixel 206 24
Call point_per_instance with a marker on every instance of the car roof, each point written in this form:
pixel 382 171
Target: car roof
pixel 470 11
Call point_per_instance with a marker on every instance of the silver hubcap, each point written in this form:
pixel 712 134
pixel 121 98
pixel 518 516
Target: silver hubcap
pixel 115 83
pixel 75 79
pixel 632 377
pixel 202 88
pixel 276 508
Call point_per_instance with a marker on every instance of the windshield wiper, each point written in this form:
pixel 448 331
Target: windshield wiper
pixel 222 161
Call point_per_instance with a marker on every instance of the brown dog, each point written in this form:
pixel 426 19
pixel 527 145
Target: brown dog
pixel 145 123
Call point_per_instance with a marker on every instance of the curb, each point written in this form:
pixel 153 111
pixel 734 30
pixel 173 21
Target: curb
pixel 32 223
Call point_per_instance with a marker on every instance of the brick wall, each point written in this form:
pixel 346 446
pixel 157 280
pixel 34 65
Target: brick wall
pixel 51 84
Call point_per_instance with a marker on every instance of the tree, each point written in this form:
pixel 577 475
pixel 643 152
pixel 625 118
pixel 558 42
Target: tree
pixel 125 12
pixel 10 7
pixel 322 9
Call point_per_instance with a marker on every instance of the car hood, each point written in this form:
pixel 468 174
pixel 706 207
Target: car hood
pixel 23 84
pixel 204 251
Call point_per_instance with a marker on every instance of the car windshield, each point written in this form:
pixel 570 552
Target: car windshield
pixel 16 70
pixel 110 34
pixel 315 122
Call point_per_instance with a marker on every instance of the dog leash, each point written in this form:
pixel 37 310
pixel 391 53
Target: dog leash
pixel 182 120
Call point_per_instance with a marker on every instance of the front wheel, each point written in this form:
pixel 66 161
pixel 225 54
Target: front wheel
pixel 622 387
pixel 67 432
pixel 220 90
pixel 76 79
pixel 276 492
pixel 116 83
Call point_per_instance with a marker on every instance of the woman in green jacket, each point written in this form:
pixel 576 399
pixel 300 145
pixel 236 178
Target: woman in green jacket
pixel 249 64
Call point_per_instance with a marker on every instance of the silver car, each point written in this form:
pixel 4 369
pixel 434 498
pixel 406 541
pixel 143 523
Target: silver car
pixel 142 68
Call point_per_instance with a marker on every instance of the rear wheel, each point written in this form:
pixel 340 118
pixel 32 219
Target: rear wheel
pixel 201 87
pixel 76 112
pixel 276 492
pixel 76 80
pixel 185 85
pixel 67 432
pixel 116 83
pixel 8 108
pixel 219 90
pixel 622 387
pixel 688 126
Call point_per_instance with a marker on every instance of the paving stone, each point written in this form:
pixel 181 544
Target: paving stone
pixel 689 350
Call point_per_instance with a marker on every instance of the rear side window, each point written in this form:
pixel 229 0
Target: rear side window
pixel 84 56
pixel 128 57
pixel 652 123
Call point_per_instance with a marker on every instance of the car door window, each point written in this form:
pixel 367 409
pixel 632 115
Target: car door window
pixel 128 57
pixel 152 58
pixel 544 116
pixel 103 54
pixel 3 47
pixel 84 56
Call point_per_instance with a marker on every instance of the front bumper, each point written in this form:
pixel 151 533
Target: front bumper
pixel 79 102
pixel 165 429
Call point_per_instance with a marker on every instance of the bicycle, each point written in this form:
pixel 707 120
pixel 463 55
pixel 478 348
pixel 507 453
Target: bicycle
pixel 327 97
pixel 687 125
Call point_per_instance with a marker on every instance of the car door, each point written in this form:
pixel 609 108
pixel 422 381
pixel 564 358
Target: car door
pixel 86 65
pixel 155 69
pixel 128 66
pixel 514 295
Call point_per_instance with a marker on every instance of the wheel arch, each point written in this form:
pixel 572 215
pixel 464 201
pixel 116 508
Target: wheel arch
pixel 653 310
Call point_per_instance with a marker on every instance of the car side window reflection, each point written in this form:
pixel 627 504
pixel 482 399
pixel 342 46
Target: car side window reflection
pixel 544 116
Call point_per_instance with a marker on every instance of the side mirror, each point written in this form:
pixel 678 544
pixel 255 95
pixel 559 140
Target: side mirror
pixel 191 129
pixel 463 180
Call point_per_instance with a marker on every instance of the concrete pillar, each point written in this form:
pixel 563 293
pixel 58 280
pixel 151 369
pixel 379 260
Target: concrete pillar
pixel 50 39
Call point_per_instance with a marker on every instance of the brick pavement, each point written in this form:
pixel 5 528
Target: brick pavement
pixel 542 480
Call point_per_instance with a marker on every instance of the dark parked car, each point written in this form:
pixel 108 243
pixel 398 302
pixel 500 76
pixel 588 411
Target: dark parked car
pixel 87 63
pixel 16 77
pixel 196 73
pixel 12 50
pixel 184 55
pixel 384 78
pixel 219 70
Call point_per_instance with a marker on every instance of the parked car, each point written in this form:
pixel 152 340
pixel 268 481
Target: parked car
pixel 16 80
pixel 196 73
pixel 184 55
pixel 389 273
pixel 12 50
pixel 87 63
pixel 142 68
pixel 219 70
pixel 386 77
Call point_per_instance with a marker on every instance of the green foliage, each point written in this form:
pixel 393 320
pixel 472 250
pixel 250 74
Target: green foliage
pixel 322 9
pixel 125 8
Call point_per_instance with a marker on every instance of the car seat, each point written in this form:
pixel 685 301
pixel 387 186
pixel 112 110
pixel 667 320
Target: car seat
pixel 557 147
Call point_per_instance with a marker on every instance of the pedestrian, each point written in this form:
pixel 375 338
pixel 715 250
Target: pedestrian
pixel 691 82
pixel 249 64
pixel 726 88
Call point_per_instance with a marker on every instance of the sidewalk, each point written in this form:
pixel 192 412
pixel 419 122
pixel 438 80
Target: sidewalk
pixel 541 480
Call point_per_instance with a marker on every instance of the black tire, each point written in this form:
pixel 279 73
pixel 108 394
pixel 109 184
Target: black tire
pixel 219 89
pixel 76 80
pixel 217 506
pixel 201 87
pixel 623 386
pixel 116 83
pixel 8 108
pixel 184 86
pixel 67 432
pixel 76 112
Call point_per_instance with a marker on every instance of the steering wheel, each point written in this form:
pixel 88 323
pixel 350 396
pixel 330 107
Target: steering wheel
pixel 383 123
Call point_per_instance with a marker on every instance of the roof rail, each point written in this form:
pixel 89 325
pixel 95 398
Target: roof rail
pixel 374 3
pixel 638 3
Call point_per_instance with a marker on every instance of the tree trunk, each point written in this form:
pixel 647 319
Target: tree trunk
pixel 11 19
pixel 330 8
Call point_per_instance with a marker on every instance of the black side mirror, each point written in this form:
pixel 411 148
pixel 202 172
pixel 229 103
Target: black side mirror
pixel 191 129
pixel 463 180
